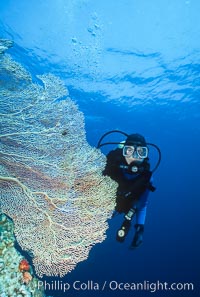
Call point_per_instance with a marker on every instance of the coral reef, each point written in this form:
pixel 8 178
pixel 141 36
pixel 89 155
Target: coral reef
pixel 26 277
pixel 4 45
pixel 12 281
pixel 51 179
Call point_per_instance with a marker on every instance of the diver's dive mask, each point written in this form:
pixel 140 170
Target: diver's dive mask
pixel 135 151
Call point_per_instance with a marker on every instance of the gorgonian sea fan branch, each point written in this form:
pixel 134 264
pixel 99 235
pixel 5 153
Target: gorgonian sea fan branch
pixel 51 179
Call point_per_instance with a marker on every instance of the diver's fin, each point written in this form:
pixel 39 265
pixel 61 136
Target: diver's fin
pixel 138 237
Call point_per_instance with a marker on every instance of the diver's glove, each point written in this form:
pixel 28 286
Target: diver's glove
pixel 138 237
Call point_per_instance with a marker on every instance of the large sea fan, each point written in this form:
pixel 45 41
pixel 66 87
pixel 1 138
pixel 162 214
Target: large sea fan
pixel 51 179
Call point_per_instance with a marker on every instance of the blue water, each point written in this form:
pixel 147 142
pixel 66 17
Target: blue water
pixel 133 66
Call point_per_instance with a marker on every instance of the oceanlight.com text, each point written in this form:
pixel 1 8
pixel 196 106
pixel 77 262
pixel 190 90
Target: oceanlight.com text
pixel 114 285
pixel 151 286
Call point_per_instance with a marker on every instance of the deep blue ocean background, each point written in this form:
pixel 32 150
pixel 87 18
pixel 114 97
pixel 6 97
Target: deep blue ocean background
pixel 130 65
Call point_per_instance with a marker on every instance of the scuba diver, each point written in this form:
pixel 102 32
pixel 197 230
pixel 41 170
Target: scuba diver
pixel 129 166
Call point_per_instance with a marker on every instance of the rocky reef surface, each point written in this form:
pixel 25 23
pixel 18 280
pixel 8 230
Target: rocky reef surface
pixel 15 281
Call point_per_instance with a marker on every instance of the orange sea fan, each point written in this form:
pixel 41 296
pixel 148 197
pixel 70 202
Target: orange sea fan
pixel 24 265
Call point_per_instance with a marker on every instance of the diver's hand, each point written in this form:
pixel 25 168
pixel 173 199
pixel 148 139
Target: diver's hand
pixel 124 194
pixel 127 194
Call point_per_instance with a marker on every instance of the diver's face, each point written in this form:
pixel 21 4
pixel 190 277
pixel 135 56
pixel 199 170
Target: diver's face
pixel 135 153
pixel 132 159
pixel 129 151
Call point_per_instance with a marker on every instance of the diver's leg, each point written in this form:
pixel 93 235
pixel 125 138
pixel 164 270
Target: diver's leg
pixel 140 220
pixel 141 207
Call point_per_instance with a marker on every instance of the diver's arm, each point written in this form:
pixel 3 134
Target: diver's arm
pixel 138 187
